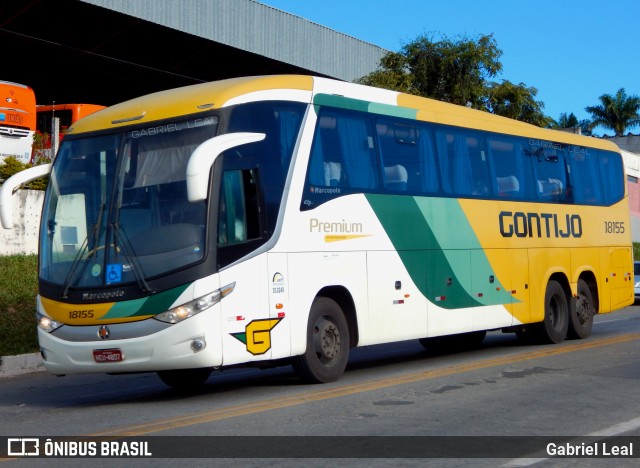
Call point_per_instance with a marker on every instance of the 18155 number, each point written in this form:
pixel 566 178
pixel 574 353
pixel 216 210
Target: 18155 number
pixel 80 314
pixel 614 227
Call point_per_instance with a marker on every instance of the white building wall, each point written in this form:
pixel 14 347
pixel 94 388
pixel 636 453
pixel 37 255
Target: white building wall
pixel 23 237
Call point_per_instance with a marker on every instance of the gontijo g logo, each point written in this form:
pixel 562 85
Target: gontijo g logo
pixel 257 335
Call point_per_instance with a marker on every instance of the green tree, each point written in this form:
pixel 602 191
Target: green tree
pixel 457 71
pixel 11 165
pixel 449 70
pixel 571 121
pixel 567 121
pixel 516 101
pixel 616 112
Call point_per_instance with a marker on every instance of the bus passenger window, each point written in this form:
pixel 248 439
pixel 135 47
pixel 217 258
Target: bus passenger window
pixel 396 177
pixel 505 155
pixel 325 167
pixel 613 178
pixel 343 158
pixel 428 171
pixel 356 145
pixel 508 186
pixel 550 173
pixel 332 174
pixel 455 157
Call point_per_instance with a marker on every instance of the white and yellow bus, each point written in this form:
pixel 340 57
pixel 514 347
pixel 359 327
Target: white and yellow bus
pixel 287 219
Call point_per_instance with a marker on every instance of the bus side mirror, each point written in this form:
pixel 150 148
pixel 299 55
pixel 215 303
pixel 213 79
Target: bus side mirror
pixel 11 185
pixel 203 157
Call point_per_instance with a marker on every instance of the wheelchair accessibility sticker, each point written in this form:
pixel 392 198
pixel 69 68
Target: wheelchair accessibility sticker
pixel 114 273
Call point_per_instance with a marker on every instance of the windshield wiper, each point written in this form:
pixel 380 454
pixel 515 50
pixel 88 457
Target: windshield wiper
pixel 130 255
pixel 72 275
pixel 95 234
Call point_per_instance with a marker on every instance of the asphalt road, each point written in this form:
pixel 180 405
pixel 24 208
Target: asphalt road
pixel 394 401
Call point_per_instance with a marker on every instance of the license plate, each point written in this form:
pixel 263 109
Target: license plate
pixel 107 355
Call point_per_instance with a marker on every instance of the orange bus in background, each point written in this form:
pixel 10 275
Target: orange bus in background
pixel 67 113
pixel 17 120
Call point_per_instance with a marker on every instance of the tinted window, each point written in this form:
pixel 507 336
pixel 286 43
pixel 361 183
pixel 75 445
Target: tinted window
pixel 343 157
pixel 420 158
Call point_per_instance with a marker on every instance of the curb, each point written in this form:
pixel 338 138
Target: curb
pixel 10 366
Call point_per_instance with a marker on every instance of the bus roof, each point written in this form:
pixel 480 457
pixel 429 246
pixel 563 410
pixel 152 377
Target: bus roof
pixel 50 107
pixel 203 97
pixel 12 83
pixel 187 100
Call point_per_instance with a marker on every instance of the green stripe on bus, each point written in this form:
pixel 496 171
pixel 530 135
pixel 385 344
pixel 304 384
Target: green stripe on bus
pixel 439 250
pixel 151 305
pixel 364 106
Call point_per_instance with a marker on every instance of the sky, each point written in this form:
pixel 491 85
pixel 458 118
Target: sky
pixel 571 51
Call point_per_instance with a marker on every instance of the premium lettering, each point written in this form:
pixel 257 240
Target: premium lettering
pixel 343 227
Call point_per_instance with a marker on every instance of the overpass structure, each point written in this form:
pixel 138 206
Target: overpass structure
pixel 107 51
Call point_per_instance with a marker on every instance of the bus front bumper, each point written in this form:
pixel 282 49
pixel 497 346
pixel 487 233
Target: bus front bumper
pixel 193 343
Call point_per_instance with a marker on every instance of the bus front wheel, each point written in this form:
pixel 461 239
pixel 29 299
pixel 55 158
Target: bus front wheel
pixel 581 317
pixel 327 353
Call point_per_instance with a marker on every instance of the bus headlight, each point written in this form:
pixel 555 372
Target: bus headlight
pixel 47 323
pixel 184 311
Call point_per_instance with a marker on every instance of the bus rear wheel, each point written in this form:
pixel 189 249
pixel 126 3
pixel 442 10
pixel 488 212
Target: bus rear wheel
pixel 327 353
pixel 185 379
pixel 581 317
pixel 553 328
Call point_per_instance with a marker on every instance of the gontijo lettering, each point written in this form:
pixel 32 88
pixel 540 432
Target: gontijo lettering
pixel 523 224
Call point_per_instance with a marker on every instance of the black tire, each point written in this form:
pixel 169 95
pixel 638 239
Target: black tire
pixel 461 341
pixel 553 329
pixel 581 316
pixel 185 379
pixel 327 353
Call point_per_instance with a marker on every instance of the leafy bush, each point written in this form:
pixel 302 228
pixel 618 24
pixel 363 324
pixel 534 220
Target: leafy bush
pixel 11 165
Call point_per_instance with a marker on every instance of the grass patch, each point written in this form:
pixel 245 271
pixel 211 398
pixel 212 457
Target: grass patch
pixel 18 290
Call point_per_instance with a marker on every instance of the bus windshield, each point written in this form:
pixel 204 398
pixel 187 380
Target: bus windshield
pixel 117 211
